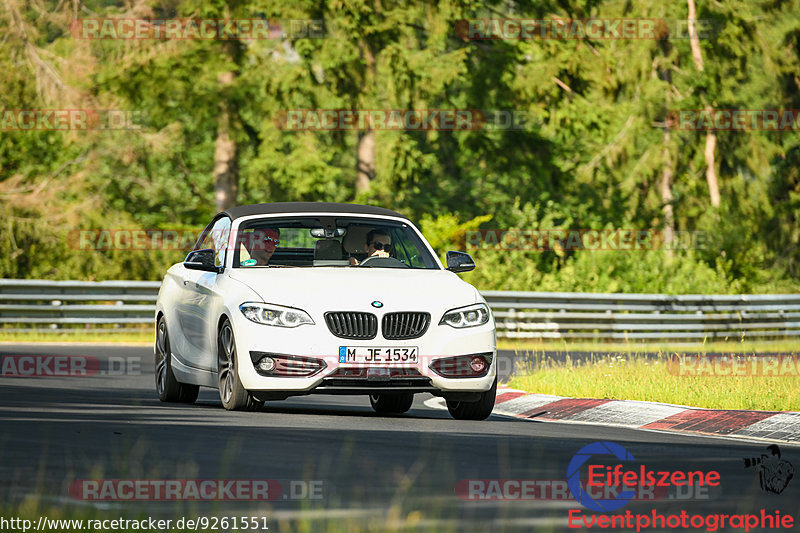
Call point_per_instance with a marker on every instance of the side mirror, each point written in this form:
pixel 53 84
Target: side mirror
pixel 202 260
pixel 459 262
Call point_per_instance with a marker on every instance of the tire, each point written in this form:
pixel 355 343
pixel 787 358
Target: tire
pixel 479 410
pixel 168 388
pixel 394 404
pixel 233 395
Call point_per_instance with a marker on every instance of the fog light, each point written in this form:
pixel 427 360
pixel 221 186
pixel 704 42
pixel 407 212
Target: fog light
pixel 266 364
pixel 463 366
pixel 478 365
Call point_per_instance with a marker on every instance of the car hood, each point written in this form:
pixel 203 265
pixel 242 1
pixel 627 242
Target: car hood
pixel 354 289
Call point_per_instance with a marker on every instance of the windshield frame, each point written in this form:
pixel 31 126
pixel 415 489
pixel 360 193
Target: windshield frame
pixel 401 224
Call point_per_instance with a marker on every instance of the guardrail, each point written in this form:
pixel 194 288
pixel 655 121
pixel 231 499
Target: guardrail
pixel 532 315
pixel 556 315
pixel 32 302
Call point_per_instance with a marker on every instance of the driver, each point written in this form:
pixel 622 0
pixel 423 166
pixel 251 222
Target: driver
pixel 261 245
pixel 378 244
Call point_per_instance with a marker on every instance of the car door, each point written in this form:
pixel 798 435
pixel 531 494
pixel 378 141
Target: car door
pixel 197 303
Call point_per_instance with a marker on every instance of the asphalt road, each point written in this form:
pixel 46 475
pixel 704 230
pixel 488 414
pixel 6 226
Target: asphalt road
pixel 369 471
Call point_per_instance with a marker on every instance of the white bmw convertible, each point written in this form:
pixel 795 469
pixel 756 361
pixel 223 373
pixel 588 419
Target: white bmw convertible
pixel 285 299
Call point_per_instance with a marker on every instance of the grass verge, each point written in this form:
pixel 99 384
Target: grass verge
pixel 636 376
pixel 145 336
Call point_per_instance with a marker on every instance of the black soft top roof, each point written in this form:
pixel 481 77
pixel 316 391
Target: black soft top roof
pixel 307 207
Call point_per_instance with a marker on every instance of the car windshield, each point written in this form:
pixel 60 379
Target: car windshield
pixel 319 241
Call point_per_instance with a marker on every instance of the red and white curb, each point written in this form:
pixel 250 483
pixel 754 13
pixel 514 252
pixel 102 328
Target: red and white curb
pixel 764 425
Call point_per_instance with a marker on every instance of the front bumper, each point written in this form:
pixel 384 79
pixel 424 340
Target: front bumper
pixel 317 342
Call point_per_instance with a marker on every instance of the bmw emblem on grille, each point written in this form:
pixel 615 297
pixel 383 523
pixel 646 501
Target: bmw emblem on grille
pixel 377 304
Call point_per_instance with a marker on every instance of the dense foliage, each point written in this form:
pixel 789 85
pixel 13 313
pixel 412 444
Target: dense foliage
pixel 592 154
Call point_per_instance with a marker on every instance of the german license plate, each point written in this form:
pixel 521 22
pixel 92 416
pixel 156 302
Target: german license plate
pixel 382 355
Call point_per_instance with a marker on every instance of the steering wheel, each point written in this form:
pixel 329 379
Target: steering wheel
pixel 385 262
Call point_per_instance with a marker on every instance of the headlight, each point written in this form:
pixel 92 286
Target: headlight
pixel 275 315
pixel 466 317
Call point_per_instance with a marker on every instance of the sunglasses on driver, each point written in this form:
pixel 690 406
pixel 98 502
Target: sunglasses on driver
pixel 381 246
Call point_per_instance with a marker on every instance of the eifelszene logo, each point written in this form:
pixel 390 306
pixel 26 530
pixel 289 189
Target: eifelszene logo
pixel 622 481
pixel 609 465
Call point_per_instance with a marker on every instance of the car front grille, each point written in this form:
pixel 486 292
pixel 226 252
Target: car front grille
pixel 405 325
pixel 364 372
pixel 355 385
pixel 352 324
